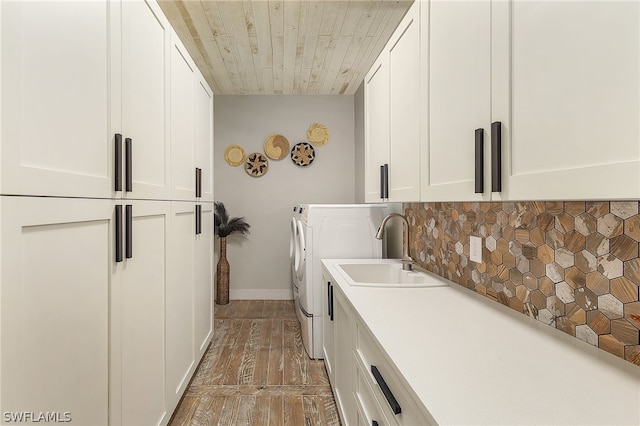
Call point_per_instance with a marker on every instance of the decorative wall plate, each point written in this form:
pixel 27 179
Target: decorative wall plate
pixel 256 164
pixel 302 154
pixel 276 147
pixel 234 155
pixel 318 134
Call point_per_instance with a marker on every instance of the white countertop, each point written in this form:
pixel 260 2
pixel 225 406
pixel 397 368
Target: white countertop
pixel 471 360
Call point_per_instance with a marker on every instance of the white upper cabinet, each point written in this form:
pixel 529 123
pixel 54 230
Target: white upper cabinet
pixel 566 87
pixel 57 139
pixel 145 71
pixel 392 116
pixel 405 108
pixel 558 80
pixel 376 122
pixel 458 50
pixel 182 83
pixel 203 136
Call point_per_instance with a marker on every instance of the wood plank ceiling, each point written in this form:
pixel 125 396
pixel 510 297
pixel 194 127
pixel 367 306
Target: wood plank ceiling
pixel 268 47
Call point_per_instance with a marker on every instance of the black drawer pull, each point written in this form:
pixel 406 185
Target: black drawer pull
pixel 118 232
pixel 198 182
pixel 198 219
pixel 479 161
pixel 393 403
pixel 496 156
pixel 128 157
pixel 128 231
pixel 330 301
pixel 384 181
pixel 374 423
pixel 117 175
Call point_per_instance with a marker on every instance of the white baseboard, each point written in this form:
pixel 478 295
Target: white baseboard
pixel 260 294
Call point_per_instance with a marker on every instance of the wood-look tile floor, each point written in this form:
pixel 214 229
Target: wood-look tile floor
pixel 256 372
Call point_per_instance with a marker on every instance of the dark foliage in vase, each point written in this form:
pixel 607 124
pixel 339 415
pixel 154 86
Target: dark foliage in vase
pixel 225 226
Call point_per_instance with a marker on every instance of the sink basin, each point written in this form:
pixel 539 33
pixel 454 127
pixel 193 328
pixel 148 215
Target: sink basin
pixel 387 275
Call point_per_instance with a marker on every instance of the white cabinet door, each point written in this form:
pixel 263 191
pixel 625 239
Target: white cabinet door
pixel 58 62
pixel 182 83
pixel 138 301
pixel 567 90
pixel 376 123
pixel 203 281
pixel 405 108
pixel 179 301
pixel 328 328
pixel 344 368
pixel 459 54
pixel 145 73
pixel 203 135
pixel 56 262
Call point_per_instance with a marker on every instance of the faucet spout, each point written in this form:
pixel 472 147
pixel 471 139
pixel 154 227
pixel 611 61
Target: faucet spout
pixel 407 261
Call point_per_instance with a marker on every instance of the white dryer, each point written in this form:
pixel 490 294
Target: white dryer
pixel 327 231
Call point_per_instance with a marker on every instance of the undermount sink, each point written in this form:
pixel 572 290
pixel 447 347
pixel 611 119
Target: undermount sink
pixel 387 275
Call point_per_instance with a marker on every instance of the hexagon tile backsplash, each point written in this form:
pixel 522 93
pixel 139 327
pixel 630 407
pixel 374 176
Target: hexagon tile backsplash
pixel 572 265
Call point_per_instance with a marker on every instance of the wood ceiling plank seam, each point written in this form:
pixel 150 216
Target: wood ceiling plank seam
pixel 196 31
pixel 305 78
pixel 242 46
pixel 302 34
pixel 334 33
pixel 354 14
pixel 331 73
pixel 329 17
pixel 287 81
pixel 267 80
pixel 291 20
pixel 233 40
pixel 263 33
pixel 348 69
pixel 312 29
pixel 253 43
pixel 219 38
pixel 318 62
pixel 276 19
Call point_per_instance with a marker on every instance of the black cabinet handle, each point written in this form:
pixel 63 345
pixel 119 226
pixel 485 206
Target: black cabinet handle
pixel 479 161
pixel 198 182
pixel 118 231
pixel 330 300
pixel 393 403
pixel 117 179
pixel 129 164
pixel 496 156
pixel 374 423
pixel 128 232
pixel 384 181
pixel 198 219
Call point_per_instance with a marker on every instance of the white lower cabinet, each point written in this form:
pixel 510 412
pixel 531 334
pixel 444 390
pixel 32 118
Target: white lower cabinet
pixel 138 310
pixel 367 387
pixel 328 328
pixel 203 281
pixel 55 285
pixel 189 293
pixel 179 307
pixel 343 369
pixel 106 307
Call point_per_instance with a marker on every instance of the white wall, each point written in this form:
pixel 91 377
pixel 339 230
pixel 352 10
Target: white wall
pixel 260 261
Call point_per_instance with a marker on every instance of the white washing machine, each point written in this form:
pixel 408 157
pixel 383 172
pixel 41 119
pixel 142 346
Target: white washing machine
pixel 327 231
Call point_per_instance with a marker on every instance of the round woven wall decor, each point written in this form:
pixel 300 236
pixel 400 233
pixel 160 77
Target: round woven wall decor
pixel 318 134
pixel 302 154
pixel 234 155
pixel 256 164
pixel 276 147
